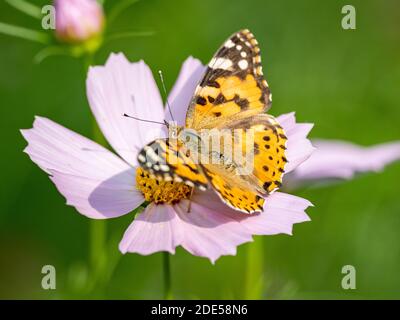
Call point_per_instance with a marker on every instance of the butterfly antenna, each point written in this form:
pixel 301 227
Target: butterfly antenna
pixel 165 92
pixel 144 120
pixel 139 119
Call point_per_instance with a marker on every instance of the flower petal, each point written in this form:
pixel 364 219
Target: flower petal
pixel 122 87
pixel 299 148
pixel 182 92
pixel 281 211
pixel 158 228
pixel 342 160
pixel 93 180
pixel 207 232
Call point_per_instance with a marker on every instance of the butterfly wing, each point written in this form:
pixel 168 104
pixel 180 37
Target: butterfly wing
pixel 242 181
pixel 168 160
pixel 233 85
pixel 234 95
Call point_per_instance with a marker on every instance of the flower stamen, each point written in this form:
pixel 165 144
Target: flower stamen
pixel 160 191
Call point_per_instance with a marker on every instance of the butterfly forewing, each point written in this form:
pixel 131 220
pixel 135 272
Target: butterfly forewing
pixel 168 160
pixel 233 85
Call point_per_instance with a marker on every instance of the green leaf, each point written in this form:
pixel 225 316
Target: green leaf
pixel 26 7
pixel 128 34
pixel 52 51
pixel 24 33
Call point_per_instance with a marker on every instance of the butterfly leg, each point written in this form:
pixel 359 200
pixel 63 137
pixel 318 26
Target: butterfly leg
pixel 190 200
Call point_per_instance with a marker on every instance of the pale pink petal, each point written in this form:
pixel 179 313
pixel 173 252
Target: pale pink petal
pixel 158 228
pixel 299 148
pixel 211 229
pixel 183 89
pixel 342 160
pixel 123 87
pixel 207 232
pixel 203 231
pixel 281 211
pixel 93 180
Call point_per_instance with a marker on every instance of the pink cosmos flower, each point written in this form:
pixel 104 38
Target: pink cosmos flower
pixel 78 20
pixel 101 185
pixel 337 160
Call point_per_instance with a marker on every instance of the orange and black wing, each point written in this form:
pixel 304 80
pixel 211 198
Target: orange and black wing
pixel 233 85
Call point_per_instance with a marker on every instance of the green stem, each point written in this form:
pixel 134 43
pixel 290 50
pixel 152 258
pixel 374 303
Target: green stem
pixel 50 51
pixel 128 34
pixel 98 228
pixel 97 241
pixel 26 7
pixel 254 286
pixel 24 33
pixel 167 276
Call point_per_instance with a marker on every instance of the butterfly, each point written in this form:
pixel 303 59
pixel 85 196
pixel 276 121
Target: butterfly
pixel 232 96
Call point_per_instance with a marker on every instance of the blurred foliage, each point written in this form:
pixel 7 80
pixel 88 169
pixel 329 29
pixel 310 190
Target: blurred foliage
pixel 344 81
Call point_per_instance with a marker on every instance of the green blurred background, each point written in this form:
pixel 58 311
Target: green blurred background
pixel 344 81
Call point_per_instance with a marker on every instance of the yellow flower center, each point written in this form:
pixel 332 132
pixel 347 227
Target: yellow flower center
pixel 160 191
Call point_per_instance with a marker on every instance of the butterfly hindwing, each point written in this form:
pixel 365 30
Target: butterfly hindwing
pixel 238 194
pixel 233 85
pixel 241 181
pixel 167 160
pixel 265 140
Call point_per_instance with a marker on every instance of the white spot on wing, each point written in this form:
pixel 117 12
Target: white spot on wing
pixel 229 44
pixel 243 64
pixel 150 153
pixel 178 179
pixel 189 183
pixel 220 63
pixel 164 167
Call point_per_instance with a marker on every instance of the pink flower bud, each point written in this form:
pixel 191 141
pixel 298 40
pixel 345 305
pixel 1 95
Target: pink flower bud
pixel 78 20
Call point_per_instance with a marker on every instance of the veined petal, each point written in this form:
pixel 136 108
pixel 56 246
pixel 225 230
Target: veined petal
pixel 122 87
pixel 92 179
pixel 157 228
pixel 281 212
pixel 207 232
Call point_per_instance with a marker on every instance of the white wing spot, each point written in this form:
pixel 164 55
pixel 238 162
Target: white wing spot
pixel 220 63
pixel 243 64
pixel 150 153
pixel 229 44
pixel 239 47
pixel 243 54
pixel 178 179
pixel 189 183
pixel 164 167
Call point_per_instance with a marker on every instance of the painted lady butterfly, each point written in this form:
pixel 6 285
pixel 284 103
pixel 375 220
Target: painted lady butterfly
pixel 233 96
